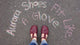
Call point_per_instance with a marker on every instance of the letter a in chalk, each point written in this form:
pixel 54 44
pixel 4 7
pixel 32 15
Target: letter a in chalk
pixel 17 12
pixel 11 32
pixel 24 21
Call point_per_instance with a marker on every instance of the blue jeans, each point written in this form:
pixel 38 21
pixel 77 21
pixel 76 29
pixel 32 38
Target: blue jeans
pixel 33 42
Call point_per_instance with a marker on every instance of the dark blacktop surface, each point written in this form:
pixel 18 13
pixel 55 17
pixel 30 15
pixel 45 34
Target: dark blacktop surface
pixel 57 36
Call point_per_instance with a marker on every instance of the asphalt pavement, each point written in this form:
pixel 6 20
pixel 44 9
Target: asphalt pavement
pixel 61 16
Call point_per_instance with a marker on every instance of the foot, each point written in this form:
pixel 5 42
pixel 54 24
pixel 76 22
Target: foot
pixel 33 32
pixel 44 32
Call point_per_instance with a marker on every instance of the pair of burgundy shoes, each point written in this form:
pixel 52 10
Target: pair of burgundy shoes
pixel 44 32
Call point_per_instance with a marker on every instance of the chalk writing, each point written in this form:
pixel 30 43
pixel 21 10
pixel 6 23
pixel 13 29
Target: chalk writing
pixel 55 6
pixel 64 22
pixel 69 31
pixel 12 27
pixel 36 15
pixel 69 28
pixel 28 5
pixel 45 17
pixel 59 11
pixel 50 20
pixel 39 16
pixel 55 23
pixel 24 21
pixel 11 32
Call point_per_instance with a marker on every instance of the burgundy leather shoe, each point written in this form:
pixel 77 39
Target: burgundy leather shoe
pixel 33 30
pixel 45 31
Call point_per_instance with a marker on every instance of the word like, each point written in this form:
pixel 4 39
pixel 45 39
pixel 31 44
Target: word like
pixel 69 28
